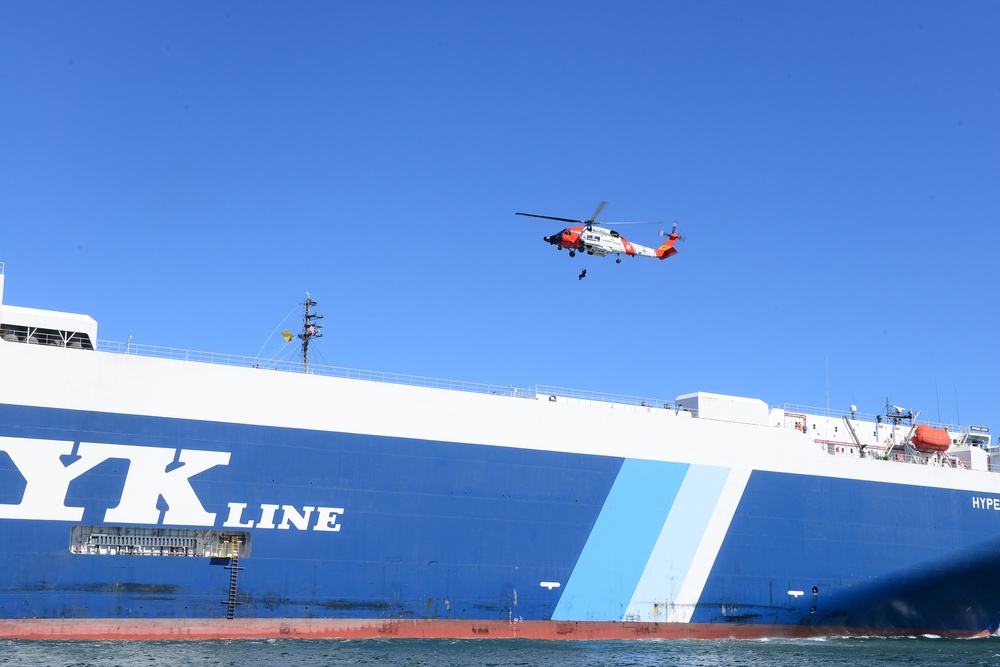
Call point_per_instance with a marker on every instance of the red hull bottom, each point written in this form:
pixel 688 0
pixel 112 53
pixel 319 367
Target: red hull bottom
pixel 194 629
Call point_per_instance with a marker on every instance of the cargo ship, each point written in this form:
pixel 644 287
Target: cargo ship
pixel 158 493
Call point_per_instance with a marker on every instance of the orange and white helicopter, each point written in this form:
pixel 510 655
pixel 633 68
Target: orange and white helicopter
pixel 588 237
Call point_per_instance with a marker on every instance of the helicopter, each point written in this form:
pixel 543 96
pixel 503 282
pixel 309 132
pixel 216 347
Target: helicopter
pixel 588 237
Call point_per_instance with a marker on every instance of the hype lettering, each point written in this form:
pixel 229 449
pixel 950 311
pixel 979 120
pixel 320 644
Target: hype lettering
pixel 986 503
pixel 152 472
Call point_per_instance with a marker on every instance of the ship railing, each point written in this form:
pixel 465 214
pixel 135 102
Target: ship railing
pixel 864 416
pixel 827 412
pixel 288 366
pixel 543 390
pixel 140 350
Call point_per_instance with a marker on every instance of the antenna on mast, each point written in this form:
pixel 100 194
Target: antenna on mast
pixel 310 329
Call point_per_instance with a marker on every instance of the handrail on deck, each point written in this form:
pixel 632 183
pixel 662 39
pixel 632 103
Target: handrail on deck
pixel 288 366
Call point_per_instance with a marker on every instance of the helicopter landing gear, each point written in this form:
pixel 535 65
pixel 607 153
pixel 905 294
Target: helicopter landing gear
pixel 618 260
pixel 572 253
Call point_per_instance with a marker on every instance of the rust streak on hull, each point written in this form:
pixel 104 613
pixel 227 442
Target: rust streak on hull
pixel 204 629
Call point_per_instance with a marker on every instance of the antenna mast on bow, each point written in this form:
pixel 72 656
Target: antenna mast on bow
pixel 310 329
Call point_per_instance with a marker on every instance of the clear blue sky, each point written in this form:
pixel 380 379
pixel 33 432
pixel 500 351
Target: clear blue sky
pixel 185 172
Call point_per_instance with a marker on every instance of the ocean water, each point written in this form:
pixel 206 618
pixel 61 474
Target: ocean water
pixel 854 652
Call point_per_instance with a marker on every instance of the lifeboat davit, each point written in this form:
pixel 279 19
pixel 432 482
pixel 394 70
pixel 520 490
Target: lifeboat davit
pixel 930 439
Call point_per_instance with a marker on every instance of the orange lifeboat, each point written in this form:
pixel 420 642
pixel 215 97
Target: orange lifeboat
pixel 930 439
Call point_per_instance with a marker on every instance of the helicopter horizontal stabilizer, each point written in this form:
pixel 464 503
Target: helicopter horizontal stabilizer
pixel 666 250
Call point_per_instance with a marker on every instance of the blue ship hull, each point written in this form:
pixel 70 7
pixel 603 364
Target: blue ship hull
pixel 424 530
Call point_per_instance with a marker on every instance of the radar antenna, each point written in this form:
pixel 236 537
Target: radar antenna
pixel 310 329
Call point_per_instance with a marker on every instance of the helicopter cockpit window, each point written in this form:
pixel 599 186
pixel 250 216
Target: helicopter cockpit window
pixel 614 233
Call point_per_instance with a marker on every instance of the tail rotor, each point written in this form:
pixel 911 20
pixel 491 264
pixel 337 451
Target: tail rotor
pixel 673 233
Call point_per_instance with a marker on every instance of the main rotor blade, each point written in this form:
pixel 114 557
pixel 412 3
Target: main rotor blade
pixel 549 217
pixel 600 207
pixel 651 222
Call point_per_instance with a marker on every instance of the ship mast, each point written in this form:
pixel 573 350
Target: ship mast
pixel 310 329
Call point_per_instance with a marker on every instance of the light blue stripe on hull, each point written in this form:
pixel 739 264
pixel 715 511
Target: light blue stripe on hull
pixel 624 536
pixel 670 564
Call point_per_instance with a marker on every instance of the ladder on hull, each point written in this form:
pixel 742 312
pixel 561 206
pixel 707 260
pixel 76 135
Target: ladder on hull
pixel 234 569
